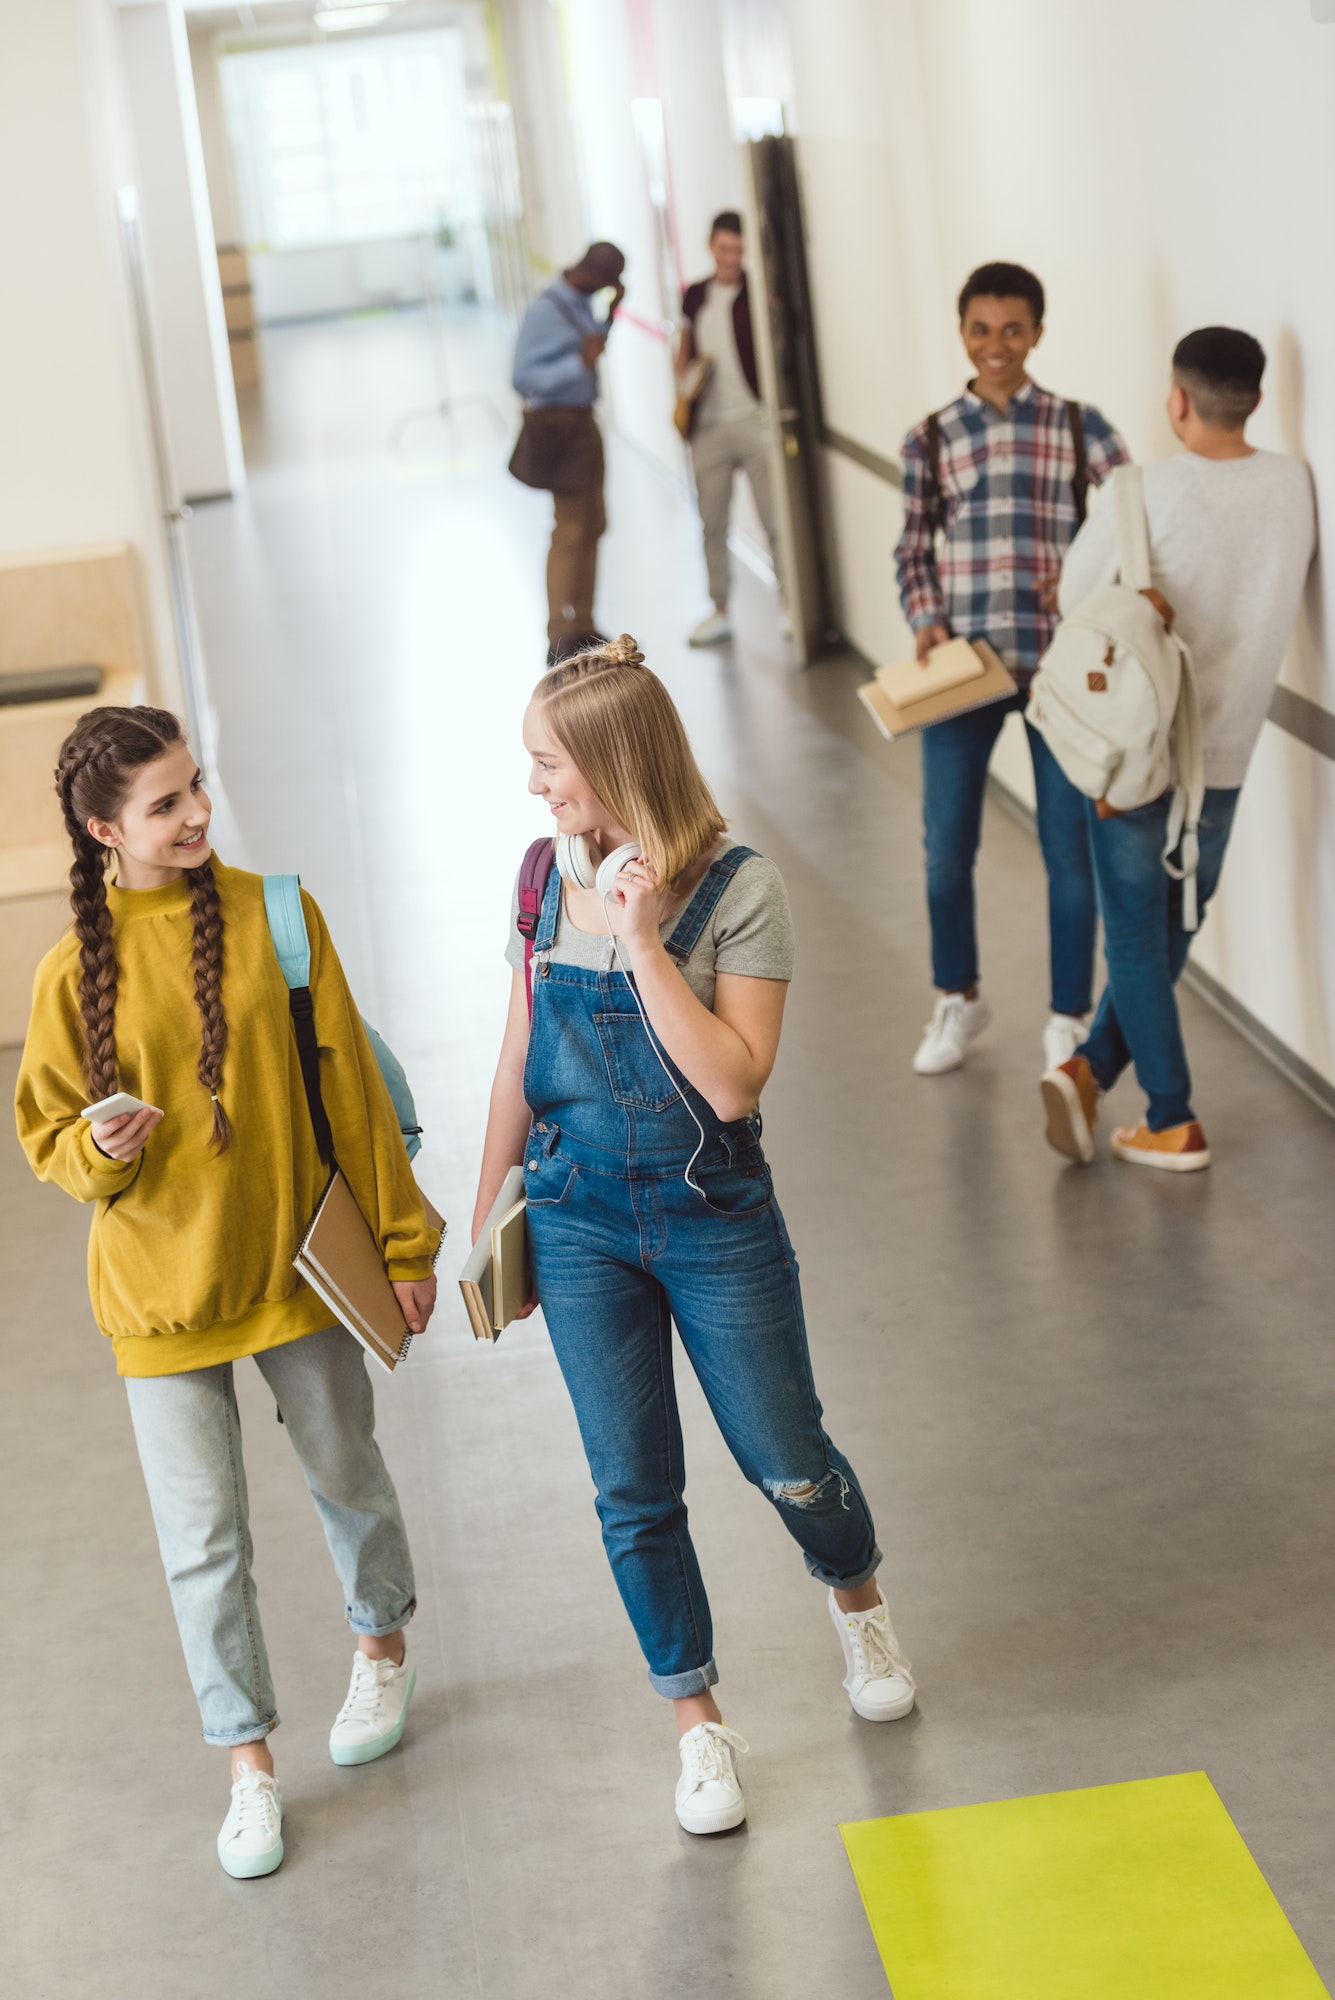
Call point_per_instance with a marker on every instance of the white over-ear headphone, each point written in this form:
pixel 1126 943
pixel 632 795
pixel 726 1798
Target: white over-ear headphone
pixel 575 863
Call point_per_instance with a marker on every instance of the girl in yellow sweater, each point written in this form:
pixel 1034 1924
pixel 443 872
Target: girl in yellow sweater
pixel 169 988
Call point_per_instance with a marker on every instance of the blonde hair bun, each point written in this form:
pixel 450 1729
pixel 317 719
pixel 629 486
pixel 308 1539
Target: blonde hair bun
pixel 624 651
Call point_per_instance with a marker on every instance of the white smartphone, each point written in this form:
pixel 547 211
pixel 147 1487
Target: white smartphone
pixel 115 1106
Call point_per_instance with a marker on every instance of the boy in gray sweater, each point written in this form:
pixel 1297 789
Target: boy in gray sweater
pixel 1232 531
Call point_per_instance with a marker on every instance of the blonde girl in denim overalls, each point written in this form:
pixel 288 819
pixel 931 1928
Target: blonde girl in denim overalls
pixel 633 1106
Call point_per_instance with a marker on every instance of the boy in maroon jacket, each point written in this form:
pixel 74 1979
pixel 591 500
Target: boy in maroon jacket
pixel 729 432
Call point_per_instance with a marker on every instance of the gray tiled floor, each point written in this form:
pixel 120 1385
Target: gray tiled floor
pixel 1092 1410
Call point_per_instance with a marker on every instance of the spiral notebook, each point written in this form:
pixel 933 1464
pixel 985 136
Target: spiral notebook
pixel 340 1259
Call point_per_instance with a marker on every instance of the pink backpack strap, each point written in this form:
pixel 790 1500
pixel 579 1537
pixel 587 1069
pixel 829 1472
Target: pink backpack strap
pixel 534 871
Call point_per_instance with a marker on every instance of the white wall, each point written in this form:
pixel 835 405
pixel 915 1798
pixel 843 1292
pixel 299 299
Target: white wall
pixel 214 140
pixel 198 394
pixel 1164 164
pixel 535 83
pixel 704 158
pixel 355 277
pixel 73 432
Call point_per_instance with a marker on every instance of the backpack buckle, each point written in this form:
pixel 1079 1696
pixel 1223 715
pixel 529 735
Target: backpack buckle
pixel 526 923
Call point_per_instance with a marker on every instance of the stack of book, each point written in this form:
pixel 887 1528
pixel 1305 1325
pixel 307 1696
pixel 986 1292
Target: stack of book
pixel 497 1280
pixel 912 694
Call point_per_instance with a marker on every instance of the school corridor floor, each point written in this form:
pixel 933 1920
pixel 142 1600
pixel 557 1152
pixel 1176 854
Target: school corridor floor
pixel 1092 1410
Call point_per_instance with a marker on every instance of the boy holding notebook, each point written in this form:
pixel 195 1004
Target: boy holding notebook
pixel 1000 477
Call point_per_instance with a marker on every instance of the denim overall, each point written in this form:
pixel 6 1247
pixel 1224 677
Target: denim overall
pixel 622 1247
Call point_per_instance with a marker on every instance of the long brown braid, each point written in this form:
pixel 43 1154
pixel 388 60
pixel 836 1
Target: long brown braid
pixel 208 960
pixel 98 761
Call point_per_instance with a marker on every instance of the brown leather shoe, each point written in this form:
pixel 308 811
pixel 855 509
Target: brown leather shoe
pixel 1071 1100
pixel 1179 1149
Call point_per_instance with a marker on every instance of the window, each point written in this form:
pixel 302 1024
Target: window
pixel 351 144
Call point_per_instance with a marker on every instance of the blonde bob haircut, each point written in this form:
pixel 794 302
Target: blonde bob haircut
pixel 619 724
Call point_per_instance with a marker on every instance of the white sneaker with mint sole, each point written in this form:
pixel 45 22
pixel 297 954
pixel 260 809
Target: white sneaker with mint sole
pixel 251 1840
pixel 1062 1037
pixel 371 1720
pixel 879 1679
pixel 709 1792
pixel 955 1023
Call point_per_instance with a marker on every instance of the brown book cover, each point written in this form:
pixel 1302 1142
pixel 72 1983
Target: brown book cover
pixel 993 684
pixel 340 1259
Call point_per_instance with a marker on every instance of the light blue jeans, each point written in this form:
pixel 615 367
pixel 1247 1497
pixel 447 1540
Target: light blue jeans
pixel 188 1430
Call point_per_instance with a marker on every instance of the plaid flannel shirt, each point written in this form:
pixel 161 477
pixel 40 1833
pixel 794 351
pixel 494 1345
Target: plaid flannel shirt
pixel 1006 513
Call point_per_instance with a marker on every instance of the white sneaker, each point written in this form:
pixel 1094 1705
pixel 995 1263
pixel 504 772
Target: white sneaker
pixel 709 1793
pixel 712 631
pixel 1062 1037
pixel 879 1679
pixel 251 1840
pixel 371 1720
pixel 955 1023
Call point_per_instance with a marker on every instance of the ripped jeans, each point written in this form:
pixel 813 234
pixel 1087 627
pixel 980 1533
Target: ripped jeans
pixel 618 1256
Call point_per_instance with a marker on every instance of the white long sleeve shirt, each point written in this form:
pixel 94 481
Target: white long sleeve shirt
pixel 1231 541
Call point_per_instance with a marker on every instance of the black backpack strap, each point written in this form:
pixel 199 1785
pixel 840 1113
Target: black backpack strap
pixel 1080 480
pixel 308 1053
pixel 934 464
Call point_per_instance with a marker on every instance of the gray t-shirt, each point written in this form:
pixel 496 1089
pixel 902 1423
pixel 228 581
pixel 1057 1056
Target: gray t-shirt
pixel 750 932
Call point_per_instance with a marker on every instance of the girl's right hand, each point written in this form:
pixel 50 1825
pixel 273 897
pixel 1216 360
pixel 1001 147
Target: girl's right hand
pixel 123 1138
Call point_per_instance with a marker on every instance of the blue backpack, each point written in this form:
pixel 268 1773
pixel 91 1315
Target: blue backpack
pixel 287 928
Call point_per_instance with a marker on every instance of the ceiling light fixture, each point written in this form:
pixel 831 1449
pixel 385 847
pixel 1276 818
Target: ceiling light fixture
pixel 334 19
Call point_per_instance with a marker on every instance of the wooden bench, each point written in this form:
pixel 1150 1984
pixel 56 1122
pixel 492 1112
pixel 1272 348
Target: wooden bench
pixel 58 609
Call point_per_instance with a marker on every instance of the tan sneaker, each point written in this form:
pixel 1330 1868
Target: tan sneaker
pixel 1180 1149
pixel 1071 1100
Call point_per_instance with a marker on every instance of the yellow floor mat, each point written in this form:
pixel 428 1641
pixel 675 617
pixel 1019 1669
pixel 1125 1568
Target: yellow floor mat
pixel 1142 1891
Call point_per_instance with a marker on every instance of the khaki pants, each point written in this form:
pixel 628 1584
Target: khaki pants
pixel 717 452
pixel 572 563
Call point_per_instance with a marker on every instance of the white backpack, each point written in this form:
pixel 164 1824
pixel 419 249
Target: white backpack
pixel 1115 697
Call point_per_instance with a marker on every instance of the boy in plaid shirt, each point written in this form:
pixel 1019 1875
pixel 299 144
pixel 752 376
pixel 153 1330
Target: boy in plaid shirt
pixel 1000 475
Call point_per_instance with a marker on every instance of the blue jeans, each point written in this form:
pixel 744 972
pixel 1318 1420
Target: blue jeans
pixel 188 1430
pixel 616 1261
pixel 955 757
pixel 622 1247
pixel 1137 1018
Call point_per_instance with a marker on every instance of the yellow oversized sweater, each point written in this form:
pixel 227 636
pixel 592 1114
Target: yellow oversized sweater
pixel 190 1256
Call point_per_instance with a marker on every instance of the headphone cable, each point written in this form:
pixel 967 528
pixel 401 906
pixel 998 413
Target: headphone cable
pixel 627 975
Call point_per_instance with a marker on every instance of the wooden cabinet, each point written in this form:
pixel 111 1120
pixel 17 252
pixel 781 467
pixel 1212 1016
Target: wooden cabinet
pixel 239 306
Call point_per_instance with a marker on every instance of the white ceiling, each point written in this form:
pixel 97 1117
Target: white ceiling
pixel 245 17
